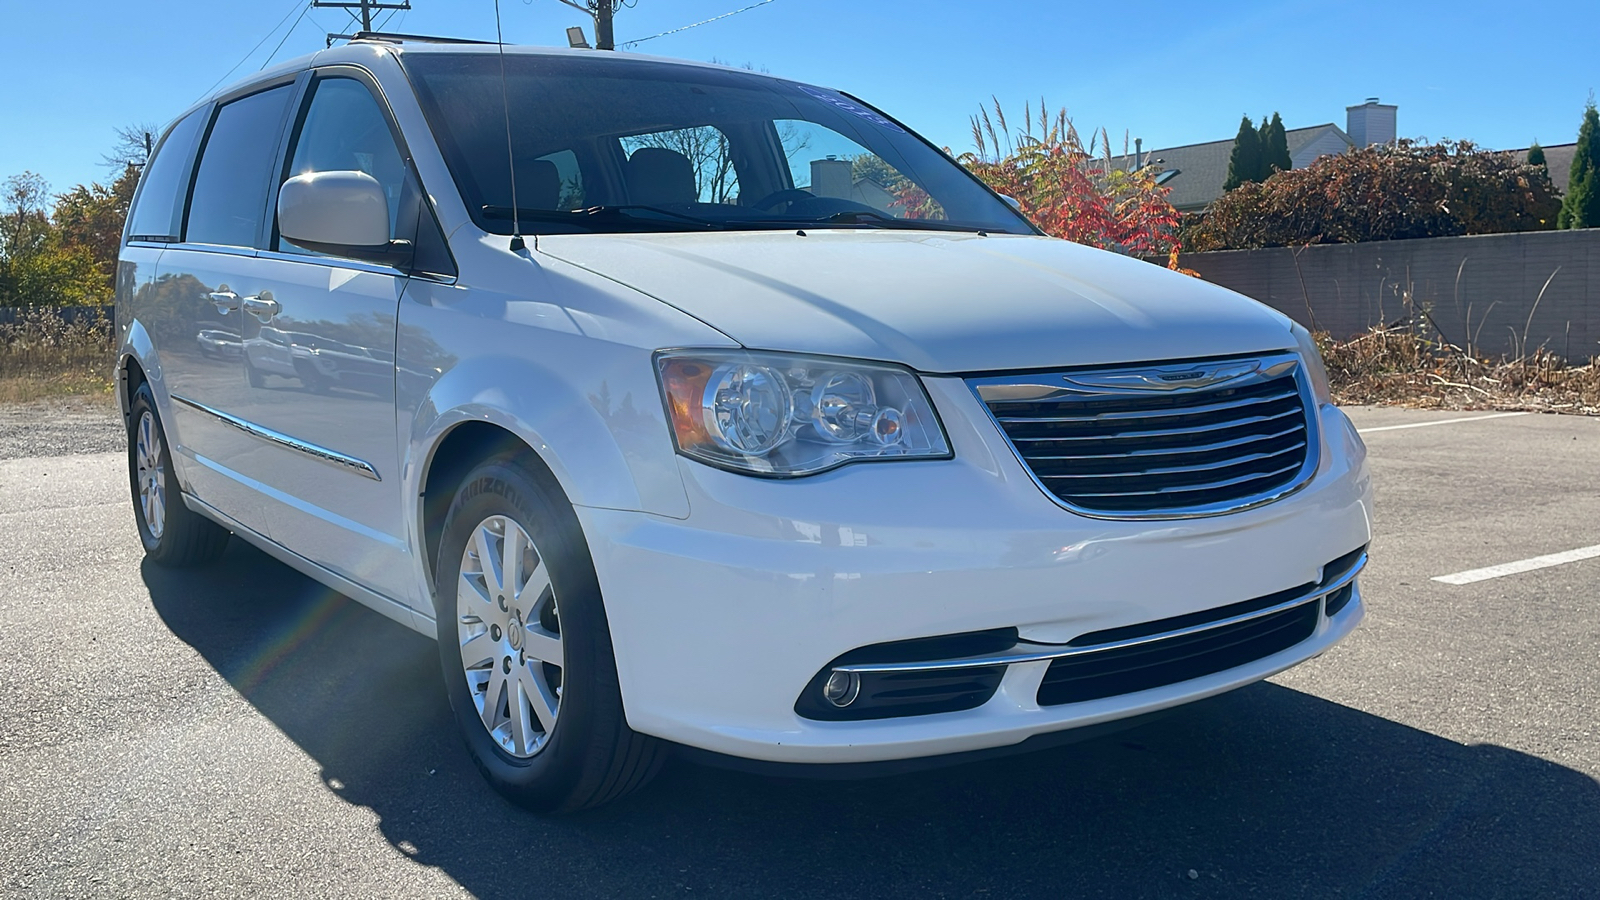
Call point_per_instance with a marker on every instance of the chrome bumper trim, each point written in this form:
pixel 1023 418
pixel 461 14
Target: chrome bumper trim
pixel 1027 651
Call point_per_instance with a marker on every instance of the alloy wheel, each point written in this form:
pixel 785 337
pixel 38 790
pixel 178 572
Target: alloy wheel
pixel 510 636
pixel 151 475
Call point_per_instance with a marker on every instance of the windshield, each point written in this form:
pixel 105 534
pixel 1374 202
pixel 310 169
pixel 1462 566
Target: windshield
pixel 611 144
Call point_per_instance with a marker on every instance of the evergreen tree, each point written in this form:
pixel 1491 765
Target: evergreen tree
pixel 1536 155
pixel 1244 164
pixel 1581 208
pixel 1264 138
pixel 1274 147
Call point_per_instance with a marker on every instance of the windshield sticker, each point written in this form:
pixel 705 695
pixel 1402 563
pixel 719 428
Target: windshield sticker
pixel 854 109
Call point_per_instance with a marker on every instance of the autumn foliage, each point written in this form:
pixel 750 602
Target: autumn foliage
pixel 1068 191
pixel 61 250
pixel 1382 193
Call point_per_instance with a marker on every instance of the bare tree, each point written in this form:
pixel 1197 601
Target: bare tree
pixel 134 145
pixel 707 150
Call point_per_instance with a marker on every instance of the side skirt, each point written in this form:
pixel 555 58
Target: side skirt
pixel 393 609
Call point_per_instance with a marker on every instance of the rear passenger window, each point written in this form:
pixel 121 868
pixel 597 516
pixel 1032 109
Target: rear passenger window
pixel 230 188
pixel 157 214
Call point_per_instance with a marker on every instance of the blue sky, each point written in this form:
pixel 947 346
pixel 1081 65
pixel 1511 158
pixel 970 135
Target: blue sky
pixel 1170 73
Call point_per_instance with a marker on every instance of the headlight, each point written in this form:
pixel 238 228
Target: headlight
pixel 1313 363
pixel 782 414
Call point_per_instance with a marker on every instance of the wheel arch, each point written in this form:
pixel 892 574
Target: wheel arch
pixel 451 458
pixel 136 365
pixel 603 440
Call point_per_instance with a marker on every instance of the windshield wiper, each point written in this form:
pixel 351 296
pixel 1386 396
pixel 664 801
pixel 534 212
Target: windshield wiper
pixel 623 211
pixel 867 216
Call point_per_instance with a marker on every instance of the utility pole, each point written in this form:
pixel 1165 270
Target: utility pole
pixel 366 7
pixel 603 39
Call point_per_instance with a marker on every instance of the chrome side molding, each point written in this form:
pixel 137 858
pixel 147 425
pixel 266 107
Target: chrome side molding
pixel 322 454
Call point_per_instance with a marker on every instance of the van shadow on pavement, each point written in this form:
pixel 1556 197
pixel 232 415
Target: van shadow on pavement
pixel 1265 791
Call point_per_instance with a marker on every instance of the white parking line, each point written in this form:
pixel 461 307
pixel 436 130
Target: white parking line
pixel 1521 565
pixel 1505 415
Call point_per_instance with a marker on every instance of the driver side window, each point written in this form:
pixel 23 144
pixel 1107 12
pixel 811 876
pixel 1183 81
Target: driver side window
pixel 345 130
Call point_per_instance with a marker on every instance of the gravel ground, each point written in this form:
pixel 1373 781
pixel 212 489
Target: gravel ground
pixel 60 427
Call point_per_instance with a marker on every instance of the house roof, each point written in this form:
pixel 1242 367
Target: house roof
pixel 1558 159
pixel 1202 168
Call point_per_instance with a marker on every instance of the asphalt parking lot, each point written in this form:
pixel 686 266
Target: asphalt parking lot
pixel 242 731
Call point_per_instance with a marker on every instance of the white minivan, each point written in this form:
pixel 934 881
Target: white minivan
pixel 696 410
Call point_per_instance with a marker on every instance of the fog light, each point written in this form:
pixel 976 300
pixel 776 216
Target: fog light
pixel 841 688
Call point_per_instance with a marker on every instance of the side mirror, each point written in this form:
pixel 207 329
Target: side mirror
pixel 1011 202
pixel 342 213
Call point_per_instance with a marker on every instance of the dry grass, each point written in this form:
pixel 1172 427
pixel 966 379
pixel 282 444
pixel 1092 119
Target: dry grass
pixel 1397 366
pixel 42 356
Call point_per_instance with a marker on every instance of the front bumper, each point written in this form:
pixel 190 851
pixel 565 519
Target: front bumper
pixel 720 620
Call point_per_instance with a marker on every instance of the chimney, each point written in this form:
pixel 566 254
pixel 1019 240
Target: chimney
pixel 831 178
pixel 1138 153
pixel 1370 123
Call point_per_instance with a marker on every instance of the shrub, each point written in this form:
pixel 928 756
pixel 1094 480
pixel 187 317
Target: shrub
pixel 44 354
pixel 1065 189
pixel 1381 193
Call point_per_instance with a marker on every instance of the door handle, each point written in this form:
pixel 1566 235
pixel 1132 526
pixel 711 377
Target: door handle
pixel 226 301
pixel 263 307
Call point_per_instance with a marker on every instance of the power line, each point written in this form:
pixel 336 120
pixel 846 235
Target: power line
pixel 697 24
pixel 365 6
pixel 256 47
pixel 389 18
pixel 303 11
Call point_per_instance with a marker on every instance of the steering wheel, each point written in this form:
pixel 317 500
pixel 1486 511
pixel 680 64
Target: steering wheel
pixel 787 195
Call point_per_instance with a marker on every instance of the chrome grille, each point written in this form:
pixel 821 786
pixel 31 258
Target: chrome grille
pixel 1187 439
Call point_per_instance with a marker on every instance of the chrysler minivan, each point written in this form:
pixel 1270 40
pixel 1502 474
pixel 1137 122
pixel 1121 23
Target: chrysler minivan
pixel 697 410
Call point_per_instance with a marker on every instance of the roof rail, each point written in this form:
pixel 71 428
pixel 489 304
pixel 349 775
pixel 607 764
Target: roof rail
pixel 393 37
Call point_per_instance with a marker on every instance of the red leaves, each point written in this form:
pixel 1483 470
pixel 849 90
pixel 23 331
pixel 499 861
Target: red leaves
pixel 1066 190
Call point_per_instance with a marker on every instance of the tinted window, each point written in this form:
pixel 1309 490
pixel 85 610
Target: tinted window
pixel 661 175
pixel 567 169
pixel 701 147
pixel 158 213
pixel 345 130
pixel 230 188
pixel 828 164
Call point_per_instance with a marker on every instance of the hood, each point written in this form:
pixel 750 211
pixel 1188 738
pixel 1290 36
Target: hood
pixel 937 302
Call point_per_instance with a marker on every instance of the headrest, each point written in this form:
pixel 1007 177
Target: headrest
pixel 538 184
pixel 657 176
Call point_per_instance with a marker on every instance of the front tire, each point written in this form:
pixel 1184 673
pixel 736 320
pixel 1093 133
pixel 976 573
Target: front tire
pixel 526 649
pixel 172 534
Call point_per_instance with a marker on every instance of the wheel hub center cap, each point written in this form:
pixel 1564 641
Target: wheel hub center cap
pixel 514 634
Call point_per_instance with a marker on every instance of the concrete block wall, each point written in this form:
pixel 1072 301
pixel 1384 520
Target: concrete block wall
pixel 1479 289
